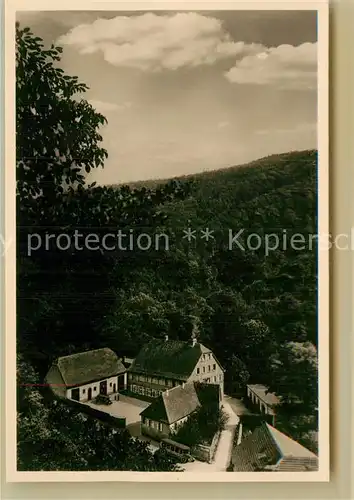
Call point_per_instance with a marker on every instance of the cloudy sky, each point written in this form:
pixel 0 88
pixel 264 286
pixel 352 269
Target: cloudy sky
pixel 186 92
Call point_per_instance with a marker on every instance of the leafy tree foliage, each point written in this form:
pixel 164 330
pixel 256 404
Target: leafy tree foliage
pixel 57 134
pixel 201 426
pixel 295 380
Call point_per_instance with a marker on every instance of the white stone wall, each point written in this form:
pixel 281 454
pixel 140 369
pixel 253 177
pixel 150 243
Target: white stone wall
pixel 161 428
pixel 95 386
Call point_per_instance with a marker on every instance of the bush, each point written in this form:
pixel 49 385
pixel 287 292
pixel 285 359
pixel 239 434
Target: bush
pixel 201 426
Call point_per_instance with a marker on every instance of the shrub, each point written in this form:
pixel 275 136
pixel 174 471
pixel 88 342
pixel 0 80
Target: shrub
pixel 201 426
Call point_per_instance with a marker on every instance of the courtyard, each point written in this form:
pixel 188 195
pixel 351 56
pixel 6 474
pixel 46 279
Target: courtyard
pixel 128 408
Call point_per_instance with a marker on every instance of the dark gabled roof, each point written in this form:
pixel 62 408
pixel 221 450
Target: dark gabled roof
pixel 174 404
pixel 266 448
pixel 181 401
pixel 168 358
pixel 85 367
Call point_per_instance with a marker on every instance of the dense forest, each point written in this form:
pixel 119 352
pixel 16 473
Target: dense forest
pixel 257 311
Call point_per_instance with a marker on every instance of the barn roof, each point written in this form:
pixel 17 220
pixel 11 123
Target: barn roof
pixel 168 358
pixel 88 366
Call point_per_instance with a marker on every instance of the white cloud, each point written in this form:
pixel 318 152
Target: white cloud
pixel 301 128
pixel 285 66
pixel 103 106
pixel 154 42
pixel 223 124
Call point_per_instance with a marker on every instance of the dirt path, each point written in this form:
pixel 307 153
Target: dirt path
pixel 224 448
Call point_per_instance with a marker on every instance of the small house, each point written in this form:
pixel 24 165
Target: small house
pixel 263 401
pixel 85 375
pixel 174 406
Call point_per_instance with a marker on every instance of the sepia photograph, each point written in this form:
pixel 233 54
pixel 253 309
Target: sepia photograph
pixel 169 242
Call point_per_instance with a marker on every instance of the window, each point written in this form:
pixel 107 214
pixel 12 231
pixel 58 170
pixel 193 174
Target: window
pixel 110 384
pixel 208 368
pixel 83 391
pixel 198 371
pixel 220 378
pixel 203 369
pixel 160 427
pixel 214 379
pixel 169 383
pixel 95 388
pixel 214 366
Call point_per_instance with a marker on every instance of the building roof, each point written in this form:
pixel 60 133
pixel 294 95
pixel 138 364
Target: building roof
pixel 55 381
pixel 85 367
pixel 168 358
pixel 262 392
pixel 181 401
pixel 269 449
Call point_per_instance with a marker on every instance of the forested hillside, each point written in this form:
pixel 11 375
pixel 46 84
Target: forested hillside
pixel 256 311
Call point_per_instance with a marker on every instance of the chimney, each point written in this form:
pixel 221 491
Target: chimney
pixel 166 338
pixel 195 332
